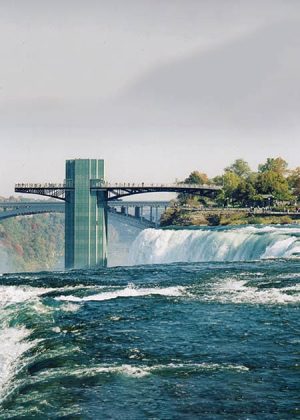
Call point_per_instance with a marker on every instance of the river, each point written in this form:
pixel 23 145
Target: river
pixel 200 324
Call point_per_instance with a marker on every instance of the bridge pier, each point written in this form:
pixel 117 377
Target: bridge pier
pixel 137 212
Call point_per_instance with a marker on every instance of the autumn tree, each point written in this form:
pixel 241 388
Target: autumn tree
pixel 197 177
pixel 277 165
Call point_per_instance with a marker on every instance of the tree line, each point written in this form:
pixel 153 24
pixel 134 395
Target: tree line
pixel 273 184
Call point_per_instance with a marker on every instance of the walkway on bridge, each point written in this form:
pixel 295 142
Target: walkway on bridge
pixel 118 190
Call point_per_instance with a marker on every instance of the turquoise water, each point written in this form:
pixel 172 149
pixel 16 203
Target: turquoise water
pixel 187 340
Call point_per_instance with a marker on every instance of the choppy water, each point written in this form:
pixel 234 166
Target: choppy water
pixel 170 341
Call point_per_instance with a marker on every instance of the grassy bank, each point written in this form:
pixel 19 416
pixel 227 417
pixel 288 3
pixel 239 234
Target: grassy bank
pixel 180 217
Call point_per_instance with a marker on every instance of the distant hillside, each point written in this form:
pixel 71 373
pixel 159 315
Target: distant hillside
pixel 31 243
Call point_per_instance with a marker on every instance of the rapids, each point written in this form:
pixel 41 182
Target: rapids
pixel 187 340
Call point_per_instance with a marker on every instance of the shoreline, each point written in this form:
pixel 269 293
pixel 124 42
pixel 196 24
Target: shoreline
pixel 224 217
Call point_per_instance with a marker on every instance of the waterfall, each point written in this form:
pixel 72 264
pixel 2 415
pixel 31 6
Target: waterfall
pixel 157 246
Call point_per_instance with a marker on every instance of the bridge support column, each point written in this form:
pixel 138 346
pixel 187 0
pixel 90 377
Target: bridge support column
pixel 137 212
pixel 85 215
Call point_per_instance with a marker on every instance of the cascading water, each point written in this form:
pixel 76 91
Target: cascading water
pixel 215 244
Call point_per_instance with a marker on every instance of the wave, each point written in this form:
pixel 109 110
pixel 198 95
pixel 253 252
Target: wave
pixel 238 291
pixel 129 291
pixel 13 346
pixel 139 371
pixel 156 246
pixel 10 295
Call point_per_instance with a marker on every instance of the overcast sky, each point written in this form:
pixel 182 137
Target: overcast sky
pixel 157 88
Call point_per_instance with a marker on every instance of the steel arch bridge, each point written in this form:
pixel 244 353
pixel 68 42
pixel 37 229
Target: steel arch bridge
pixel 118 211
pixel 88 199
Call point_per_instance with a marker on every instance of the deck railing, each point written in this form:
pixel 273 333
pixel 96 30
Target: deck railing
pixel 101 184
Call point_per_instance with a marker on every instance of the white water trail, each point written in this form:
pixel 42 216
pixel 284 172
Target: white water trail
pixel 232 290
pixel 129 291
pixel 140 371
pixel 157 246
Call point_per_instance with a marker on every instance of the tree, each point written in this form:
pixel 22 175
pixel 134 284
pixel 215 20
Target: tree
pixel 197 177
pixel 273 183
pixel 218 180
pixel 240 167
pixel 278 165
pixel 230 184
pixel 294 181
pixel 245 193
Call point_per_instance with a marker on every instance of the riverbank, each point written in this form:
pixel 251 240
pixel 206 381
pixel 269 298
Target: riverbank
pixel 223 217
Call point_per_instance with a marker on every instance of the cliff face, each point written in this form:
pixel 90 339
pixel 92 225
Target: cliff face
pixel 31 243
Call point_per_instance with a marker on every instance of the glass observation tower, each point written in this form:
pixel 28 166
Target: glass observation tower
pixel 85 215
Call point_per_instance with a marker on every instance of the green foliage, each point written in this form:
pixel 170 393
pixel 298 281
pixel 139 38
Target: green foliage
pixel 197 177
pixel 231 182
pixel 278 165
pixel 239 167
pixel 273 183
pixel 293 180
pixel 34 242
pixel 218 180
pixel 243 188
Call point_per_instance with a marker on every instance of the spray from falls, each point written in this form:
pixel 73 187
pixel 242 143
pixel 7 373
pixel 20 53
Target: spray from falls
pixel 5 263
pixel 215 244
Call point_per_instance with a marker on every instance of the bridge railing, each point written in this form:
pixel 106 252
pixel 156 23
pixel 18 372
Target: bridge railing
pixel 94 183
pixel 104 184
pixel 44 185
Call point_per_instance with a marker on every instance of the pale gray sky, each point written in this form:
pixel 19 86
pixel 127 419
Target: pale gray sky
pixel 157 88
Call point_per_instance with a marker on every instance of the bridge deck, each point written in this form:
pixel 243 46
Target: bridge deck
pixel 111 203
pixel 117 190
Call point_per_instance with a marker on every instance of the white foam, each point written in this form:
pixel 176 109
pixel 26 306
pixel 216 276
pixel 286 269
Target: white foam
pixel 69 307
pixel 129 291
pixel 17 294
pixel 282 247
pixel 10 295
pixel 13 345
pixel 140 371
pixel 236 291
pixel 156 246
pixel 289 276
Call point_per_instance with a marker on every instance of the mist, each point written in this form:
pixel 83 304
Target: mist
pixel 5 262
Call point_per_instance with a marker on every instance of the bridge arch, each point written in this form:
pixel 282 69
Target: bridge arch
pixel 15 209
